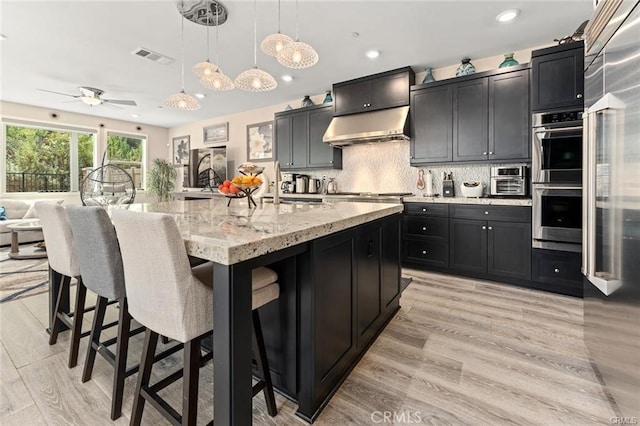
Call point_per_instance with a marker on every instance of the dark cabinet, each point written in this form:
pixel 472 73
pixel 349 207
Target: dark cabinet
pixel 426 235
pixel 431 126
pixel 558 77
pixel 470 120
pixel 509 116
pixel 475 118
pixel 349 286
pixel 557 271
pixel 509 249
pixel 468 252
pixel 380 91
pixel 299 144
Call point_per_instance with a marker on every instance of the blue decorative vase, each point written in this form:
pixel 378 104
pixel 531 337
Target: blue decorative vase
pixel 428 77
pixel 328 98
pixel 465 68
pixel 307 102
pixel 508 61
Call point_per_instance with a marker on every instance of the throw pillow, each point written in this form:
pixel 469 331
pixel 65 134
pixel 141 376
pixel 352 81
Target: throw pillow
pixel 3 214
pixel 31 213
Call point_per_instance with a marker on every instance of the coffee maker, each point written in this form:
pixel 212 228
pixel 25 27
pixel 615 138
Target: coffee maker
pixel 288 184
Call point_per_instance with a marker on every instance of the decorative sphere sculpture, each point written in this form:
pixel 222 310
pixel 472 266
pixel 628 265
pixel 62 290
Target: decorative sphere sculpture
pixel 108 185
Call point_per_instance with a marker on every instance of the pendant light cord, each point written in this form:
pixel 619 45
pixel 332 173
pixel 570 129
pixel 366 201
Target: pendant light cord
pixel 255 33
pixel 297 35
pixel 182 51
pixel 278 16
pixel 217 36
pixel 208 48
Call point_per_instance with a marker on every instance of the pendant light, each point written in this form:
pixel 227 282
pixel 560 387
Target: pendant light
pixel 298 54
pixel 217 80
pixel 205 67
pixel 182 100
pixel 255 79
pixel 274 43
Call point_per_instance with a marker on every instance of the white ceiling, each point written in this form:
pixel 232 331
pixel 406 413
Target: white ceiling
pixel 60 45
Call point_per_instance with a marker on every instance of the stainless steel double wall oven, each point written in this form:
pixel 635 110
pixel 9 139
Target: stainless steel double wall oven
pixel 557 180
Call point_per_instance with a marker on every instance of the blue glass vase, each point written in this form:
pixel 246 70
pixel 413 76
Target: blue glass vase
pixel 508 61
pixel 428 77
pixel 328 98
pixel 465 68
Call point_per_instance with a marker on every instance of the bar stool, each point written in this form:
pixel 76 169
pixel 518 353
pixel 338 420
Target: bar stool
pixel 100 263
pixel 172 299
pixel 61 253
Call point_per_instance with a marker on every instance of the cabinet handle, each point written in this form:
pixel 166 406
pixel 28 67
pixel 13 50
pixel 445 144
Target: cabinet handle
pixel 424 228
pixel 491 228
pixel 424 210
pixel 364 105
pixel 411 157
pixel 484 153
pixel 579 96
pixel 424 252
pixel 484 227
pixel 557 271
pixel 486 212
pixel 331 162
pixel 490 152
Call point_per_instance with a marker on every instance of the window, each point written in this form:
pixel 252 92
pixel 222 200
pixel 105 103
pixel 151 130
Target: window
pixel 40 159
pixel 127 151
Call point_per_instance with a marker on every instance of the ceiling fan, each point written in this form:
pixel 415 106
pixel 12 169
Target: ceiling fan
pixel 92 97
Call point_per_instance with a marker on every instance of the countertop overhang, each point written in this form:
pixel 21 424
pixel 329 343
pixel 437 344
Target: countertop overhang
pixel 232 234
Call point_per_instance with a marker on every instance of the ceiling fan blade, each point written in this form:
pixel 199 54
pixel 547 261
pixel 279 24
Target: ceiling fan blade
pixel 111 106
pixel 120 102
pixel 59 93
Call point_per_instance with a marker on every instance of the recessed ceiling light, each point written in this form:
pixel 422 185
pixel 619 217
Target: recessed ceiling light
pixel 286 78
pixel 3 37
pixel 372 54
pixel 200 95
pixel 507 15
pixel 135 115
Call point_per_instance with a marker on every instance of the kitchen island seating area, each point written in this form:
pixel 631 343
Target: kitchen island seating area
pixel 269 265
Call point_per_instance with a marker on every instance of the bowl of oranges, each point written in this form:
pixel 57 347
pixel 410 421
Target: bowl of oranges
pixel 226 188
pixel 246 182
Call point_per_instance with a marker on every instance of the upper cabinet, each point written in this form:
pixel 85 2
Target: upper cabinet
pixel 298 135
pixel 480 117
pixel 558 77
pixel 379 91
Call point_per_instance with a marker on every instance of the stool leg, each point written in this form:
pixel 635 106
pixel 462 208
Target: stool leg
pixel 94 338
pixel 144 374
pixel 122 345
pixel 190 380
pixel 263 365
pixel 76 328
pixel 55 320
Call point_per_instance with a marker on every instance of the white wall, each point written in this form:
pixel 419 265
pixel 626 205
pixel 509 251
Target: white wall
pixel 157 137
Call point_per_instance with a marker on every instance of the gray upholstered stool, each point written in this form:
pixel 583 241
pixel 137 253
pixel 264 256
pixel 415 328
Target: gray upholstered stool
pixel 170 298
pixel 61 253
pixel 100 262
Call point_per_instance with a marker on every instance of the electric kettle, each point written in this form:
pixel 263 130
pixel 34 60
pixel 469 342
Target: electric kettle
pixel 332 186
pixel 302 184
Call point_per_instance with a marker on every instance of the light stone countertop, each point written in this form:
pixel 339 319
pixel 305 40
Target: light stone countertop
pixel 464 200
pixel 230 235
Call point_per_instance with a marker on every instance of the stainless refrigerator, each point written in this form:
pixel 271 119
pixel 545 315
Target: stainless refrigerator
pixel 611 209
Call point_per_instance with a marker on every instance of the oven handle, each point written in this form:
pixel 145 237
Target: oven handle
pixel 557 129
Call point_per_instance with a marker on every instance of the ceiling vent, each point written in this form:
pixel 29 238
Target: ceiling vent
pixel 149 54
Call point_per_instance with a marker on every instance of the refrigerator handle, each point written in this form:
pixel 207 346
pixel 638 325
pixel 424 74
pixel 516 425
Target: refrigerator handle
pixel 589 173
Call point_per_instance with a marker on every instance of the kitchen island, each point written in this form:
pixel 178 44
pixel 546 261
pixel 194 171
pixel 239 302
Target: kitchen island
pixel 338 268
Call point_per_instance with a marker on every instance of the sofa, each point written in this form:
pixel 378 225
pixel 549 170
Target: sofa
pixel 16 211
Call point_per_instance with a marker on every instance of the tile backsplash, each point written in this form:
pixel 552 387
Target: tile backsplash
pixel 384 167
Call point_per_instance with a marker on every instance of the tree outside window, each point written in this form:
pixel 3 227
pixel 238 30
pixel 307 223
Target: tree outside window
pixel 127 152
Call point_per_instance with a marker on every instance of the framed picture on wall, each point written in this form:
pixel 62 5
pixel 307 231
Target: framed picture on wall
pixel 260 142
pixel 181 150
pixel 216 134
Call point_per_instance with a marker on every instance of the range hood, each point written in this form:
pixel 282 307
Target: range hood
pixel 375 126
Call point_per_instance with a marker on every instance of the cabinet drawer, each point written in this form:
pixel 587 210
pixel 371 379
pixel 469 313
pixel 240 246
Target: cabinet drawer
pixel 432 227
pixel 556 267
pixel 502 213
pixel 435 253
pixel 427 209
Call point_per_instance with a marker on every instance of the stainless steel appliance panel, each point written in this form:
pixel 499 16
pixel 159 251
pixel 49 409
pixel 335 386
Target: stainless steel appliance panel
pixel 612 208
pixel 557 152
pixel 509 181
pixel 557 215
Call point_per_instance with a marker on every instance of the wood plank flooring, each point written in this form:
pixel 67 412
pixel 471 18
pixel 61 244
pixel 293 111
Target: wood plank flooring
pixel 459 352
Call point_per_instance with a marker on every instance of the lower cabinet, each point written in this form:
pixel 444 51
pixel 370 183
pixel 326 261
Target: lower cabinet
pixel 557 271
pixel 491 242
pixel 349 287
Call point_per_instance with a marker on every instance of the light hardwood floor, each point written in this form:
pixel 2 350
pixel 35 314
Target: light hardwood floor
pixel 460 351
